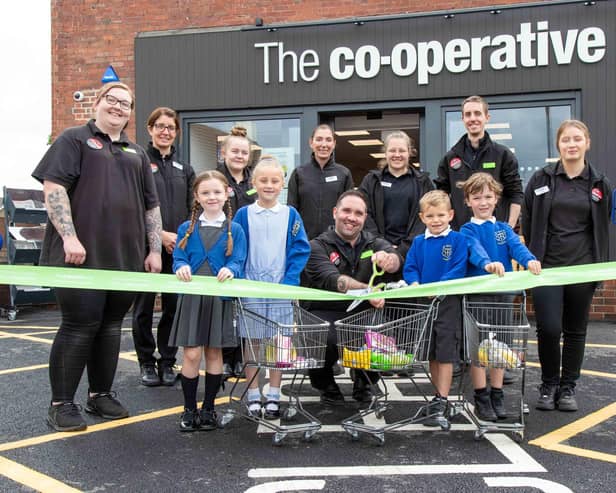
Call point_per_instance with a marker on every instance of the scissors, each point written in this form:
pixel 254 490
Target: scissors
pixel 376 272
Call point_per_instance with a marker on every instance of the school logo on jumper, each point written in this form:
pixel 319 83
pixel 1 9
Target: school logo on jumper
pixel 295 229
pixel 95 144
pixel 596 195
pixel 446 252
pixel 334 258
pixel 501 236
pixel 455 163
pixel 154 167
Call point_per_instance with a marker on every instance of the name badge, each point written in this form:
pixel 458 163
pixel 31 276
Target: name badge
pixel 542 190
pixel 178 165
pixel 366 254
pixel 128 149
pixel 329 179
pixel 386 184
pixel 250 192
pixel 489 165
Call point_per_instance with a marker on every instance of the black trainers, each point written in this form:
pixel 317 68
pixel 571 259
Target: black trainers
pixel 189 421
pixel 66 417
pixel 331 395
pixel 167 375
pixel 497 398
pixel 149 377
pixel 435 410
pixel 208 420
pixel 483 407
pixel 106 406
pixel 565 399
pixel 547 394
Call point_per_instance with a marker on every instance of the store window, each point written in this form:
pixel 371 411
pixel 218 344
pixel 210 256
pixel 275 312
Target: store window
pixel 528 131
pixel 277 137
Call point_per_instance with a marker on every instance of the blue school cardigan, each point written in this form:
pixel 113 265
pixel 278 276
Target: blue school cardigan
pixel 298 247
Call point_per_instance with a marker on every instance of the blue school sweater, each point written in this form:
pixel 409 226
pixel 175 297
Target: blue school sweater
pixel 493 242
pixel 439 258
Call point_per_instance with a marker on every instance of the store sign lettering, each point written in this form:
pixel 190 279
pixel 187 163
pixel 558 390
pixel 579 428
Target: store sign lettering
pixel 526 49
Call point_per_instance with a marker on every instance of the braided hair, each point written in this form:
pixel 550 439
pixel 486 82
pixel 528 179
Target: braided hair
pixel 196 209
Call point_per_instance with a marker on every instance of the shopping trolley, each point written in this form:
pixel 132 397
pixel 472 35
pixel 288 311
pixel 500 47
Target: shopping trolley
pixel 279 335
pixel 394 338
pixel 496 336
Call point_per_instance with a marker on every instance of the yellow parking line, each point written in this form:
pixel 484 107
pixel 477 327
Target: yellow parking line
pixel 554 439
pixel 27 337
pixel 23 368
pixel 107 425
pixel 13 327
pixel 31 478
pixel 591 373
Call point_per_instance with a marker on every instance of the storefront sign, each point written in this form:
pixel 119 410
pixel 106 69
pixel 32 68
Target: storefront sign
pixel 532 46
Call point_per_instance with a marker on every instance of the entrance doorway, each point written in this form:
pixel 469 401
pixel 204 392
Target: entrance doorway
pixel 360 136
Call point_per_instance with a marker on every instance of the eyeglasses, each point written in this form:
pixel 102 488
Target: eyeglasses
pixel 161 126
pixel 112 101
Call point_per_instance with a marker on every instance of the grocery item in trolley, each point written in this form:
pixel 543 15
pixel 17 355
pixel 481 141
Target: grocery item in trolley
pixel 497 354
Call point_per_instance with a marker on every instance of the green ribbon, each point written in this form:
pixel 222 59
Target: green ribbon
pixel 67 277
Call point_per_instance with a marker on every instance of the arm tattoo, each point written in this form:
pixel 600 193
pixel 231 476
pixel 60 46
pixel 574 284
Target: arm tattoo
pixel 342 284
pixel 153 228
pixel 59 211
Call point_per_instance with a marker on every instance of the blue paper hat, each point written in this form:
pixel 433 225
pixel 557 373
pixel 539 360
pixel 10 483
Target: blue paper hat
pixel 110 75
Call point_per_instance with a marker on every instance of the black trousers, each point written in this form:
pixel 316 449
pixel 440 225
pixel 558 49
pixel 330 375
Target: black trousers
pixel 89 335
pixel 562 310
pixel 143 311
pixel 321 378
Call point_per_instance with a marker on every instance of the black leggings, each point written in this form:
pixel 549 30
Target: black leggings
pixel 90 335
pixel 562 310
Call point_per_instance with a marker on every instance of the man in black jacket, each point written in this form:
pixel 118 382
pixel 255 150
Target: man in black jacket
pixel 341 259
pixel 474 152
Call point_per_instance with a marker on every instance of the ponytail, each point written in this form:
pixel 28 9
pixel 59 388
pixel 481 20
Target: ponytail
pixel 229 250
pixel 196 208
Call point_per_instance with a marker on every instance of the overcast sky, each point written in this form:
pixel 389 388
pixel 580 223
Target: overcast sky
pixel 25 95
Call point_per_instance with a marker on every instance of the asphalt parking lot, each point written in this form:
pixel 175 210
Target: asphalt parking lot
pixel 560 451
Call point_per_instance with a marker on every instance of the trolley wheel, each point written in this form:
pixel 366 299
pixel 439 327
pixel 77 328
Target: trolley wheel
pixel 278 438
pixel 11 315
pixel 289 413
pixel 353 433
pixel 309 435
pixel 518 436
pixel 378 413
pixel 525 408
pixel 478 435
pixel 380 439
pixel 445 424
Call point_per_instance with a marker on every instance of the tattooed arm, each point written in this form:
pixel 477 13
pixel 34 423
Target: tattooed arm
pixel 59 211
pixel 153 229
pixel 344 283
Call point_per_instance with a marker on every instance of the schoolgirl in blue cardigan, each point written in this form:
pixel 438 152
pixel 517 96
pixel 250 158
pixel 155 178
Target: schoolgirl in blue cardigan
pixel 210 244
pixel 278 250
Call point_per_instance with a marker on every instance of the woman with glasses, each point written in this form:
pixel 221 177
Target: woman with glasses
pixel 174 181
pixel 103 210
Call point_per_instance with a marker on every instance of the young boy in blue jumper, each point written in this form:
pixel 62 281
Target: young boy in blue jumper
pixel 492 245
pixel 440 254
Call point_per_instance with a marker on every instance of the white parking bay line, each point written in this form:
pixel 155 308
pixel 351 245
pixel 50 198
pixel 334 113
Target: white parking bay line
pixel 520 462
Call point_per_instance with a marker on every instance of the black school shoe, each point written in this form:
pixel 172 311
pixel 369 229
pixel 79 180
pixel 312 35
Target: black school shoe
pixel 208 420
pixel 149 377
pixel 189 421
pixel 271 410
pixel 167 375
pixel 106 406
pixel 66 417
pixel 331 395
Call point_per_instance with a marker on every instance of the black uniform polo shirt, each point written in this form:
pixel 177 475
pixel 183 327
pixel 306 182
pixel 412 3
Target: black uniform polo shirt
pixel 110 186
pixel 399 196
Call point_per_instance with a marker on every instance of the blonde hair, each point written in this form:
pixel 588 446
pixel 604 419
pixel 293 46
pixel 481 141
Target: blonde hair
pixel 434 198
pixel 196 209
pixel 268 161
pixel 477 182
pixel 112 85
pixel 572 123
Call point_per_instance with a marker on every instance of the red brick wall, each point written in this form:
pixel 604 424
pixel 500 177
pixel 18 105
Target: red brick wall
pixel 89 35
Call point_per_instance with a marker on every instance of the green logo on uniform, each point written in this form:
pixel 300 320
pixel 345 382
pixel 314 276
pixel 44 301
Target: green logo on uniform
pixel 366 254
pixel 489 165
